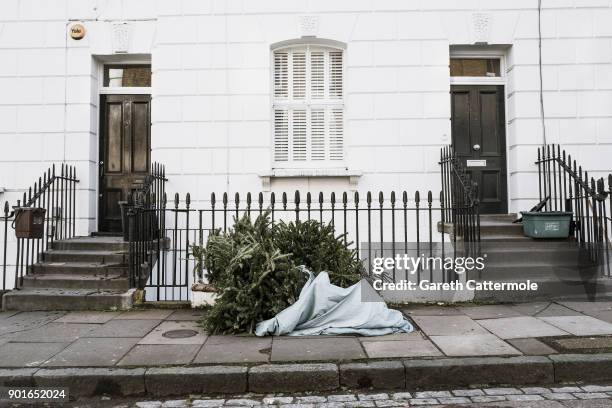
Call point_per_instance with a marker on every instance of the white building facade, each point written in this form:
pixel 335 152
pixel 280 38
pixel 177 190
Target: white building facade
pixel 312 95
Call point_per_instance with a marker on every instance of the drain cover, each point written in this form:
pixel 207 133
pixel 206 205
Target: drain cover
pixel 179 334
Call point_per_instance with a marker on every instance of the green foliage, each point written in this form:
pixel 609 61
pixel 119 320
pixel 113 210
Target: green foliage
pixel 314 245
pixel 254 268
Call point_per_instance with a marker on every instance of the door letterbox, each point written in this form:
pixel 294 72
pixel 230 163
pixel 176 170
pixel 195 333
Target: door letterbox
pixel 30 222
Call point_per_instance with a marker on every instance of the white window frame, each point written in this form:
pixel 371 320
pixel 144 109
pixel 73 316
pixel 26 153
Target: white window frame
pixel 308 45
pixel 479 54
pixel 126 90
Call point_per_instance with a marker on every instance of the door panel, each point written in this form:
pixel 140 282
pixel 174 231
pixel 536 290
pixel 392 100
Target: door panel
pixel 478 133
pixel 125 153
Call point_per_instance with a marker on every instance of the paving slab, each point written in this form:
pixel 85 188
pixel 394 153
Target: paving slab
pixel 580 325
pixel 196 380
pixel 293 377
pixel 489 311
pixel 28 354
pixel 382 375
pixel 56 333
pixel 586 307
pixel 160 355
pixel 474 345
pixel 532 347
pixel 555 309
pixel 605 315
pixel 520 327
pixel 92 352
pixel 448 325
pixel 186 314
pixel 27 321
pixel 87 317
pixel 429 310
pixel 7 314
pixel 152 314
pixel 235 349
pixel 86 382
pixel 124 328
pixel 413 335
pixel 399 349
pixel 316 349
pixel 170 332
pixel 530 308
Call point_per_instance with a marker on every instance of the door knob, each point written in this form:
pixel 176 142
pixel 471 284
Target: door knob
pixel 476 147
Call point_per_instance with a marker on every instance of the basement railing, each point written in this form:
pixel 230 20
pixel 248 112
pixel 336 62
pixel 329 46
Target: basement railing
pixel 564 186
pixel 375 225
pixel 56 195
pixel 461 217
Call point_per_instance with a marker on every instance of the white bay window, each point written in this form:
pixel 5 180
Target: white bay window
pixel 308 105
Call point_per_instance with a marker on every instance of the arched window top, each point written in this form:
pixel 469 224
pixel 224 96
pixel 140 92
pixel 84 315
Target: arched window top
pixel 321 42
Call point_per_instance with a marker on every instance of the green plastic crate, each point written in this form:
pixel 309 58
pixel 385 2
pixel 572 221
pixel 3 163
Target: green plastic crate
pixel 549 224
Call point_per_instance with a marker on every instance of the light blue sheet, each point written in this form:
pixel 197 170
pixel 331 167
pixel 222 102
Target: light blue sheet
pixel 323 308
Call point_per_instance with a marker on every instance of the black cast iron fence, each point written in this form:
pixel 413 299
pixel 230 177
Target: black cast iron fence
pixel 146 225
pixel 376 225
pixel 564 186
pixel 56 194
pixel 461 202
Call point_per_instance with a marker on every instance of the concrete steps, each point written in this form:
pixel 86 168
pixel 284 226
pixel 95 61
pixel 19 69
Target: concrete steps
pixel 87 273
pixel 558 266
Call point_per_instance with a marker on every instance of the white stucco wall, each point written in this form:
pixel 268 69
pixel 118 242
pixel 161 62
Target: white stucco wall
pixel 211 111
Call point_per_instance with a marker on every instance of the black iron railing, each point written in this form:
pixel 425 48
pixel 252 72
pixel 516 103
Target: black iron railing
pixel 146 225
pixel 461 216
pixel 564 186
pixel 374 224
pixel 56 193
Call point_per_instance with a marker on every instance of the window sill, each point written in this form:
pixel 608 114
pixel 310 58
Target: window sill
pixel 352 175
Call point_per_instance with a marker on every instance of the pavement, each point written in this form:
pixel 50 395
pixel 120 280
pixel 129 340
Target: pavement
pixel 457 338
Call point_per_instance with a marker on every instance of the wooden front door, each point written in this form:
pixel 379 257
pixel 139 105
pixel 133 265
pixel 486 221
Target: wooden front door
pixel 479 139
pixel 125 153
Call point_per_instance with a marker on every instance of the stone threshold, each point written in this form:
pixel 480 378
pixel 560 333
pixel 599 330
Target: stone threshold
pixel 414 374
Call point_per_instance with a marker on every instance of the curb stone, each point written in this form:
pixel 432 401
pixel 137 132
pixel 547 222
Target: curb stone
pixel 17 377
pixel 269 378
pixel 464 372
pixel 592 367
pixel 86 382
pixel 377 374
pixel 293 377
pixel 196 380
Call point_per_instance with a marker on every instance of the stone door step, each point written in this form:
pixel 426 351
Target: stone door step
pixel 77 281
pixel 67 299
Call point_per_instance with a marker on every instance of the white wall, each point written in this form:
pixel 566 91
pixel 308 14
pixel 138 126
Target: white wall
pixel 211 87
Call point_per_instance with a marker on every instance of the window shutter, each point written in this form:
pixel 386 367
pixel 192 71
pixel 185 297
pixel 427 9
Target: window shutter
pixel 308 105
pixel 317 74
pixel 281 88
pixel 299 134
pixel 281 135
pixel 336 134
pixel 317 134
pixel 299 75
pixel 335 74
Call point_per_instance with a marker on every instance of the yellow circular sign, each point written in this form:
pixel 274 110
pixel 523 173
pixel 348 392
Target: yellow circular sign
pixel 77 31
